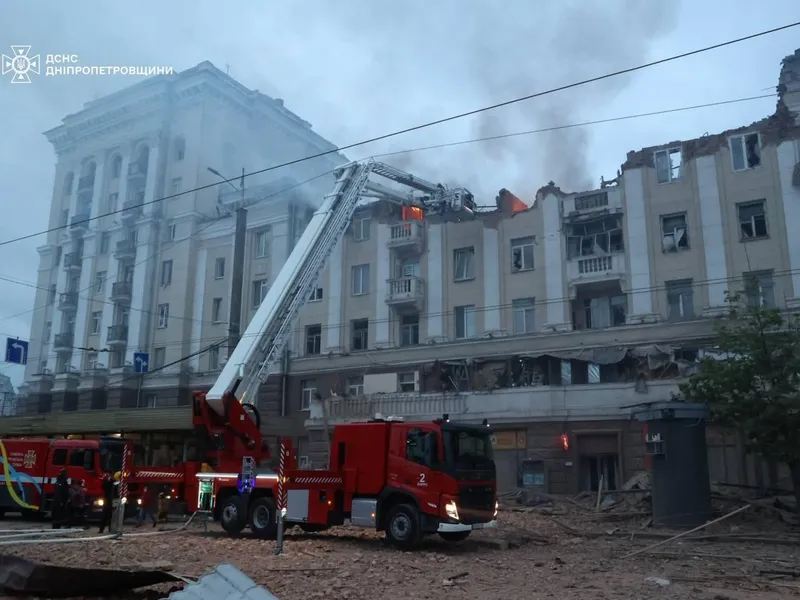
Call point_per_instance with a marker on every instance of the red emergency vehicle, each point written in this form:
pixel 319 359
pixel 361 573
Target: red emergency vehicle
pixel 30 467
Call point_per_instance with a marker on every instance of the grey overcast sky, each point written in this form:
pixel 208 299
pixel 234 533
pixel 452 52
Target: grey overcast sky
pixel 360 68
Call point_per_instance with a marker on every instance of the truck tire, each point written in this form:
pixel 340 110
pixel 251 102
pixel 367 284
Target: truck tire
pixel 262 518
pixel 454 536
pixel 233 514
pixel 403 528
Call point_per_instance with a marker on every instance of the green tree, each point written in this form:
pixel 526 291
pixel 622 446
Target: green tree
pixel 753 384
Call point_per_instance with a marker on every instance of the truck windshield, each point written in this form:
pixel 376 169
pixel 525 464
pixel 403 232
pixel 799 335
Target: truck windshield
pixel 468 449
pixel 111 456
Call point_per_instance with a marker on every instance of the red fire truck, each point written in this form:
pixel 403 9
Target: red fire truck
pixel 30 467
pixel 407 479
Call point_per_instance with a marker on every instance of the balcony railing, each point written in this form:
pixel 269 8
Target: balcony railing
pixel 592 268
pixel 117 335
pixel 132 209
pixel 405 291
pixel 395 405
pixel 72 261
pixel 121 291
pixel 68 301
pixel 125 249
pixel 80 221
pixel 408 235
pixel 63 342
pixel 137 170
pixel 86 182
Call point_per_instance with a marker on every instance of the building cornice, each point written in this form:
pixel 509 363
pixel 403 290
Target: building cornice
pixel 45 249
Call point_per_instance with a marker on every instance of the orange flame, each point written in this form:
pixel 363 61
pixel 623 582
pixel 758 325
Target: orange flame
pixel 413 213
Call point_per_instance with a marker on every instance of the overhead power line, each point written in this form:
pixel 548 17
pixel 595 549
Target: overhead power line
pixel 429 124
pixel 214 340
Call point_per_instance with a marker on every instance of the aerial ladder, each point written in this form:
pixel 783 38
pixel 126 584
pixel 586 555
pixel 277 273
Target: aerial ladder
pixel 232 399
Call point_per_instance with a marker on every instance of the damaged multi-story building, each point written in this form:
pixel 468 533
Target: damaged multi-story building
pixel 551 316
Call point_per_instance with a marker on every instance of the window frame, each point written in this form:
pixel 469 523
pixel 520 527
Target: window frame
pixel 166 273
pixel 521 244
pixel 469 252
pixel 361 270
pixel 752 203
pixel 307 391
pixel 313 297
pixel 216 310
pixel 261 245
pixel 664 233
pixel 764 280
pixel 680 287
pixel 263 285
pixel 741 138
pixel 100 282
pixel 355 385
pixel 670 169
pixel 402 385
pixel 465 313
pixel 96 318
pixel 313 332
pixel 159 357
pixel 163 315
pixel 359 225
pixel 219 267
pixel 360 331
pixel 516 308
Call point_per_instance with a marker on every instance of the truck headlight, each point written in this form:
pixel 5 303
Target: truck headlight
pixel 496 507
pixel 139 501
pixel 451 510
pixel 99 502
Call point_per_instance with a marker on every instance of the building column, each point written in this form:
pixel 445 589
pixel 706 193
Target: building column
pixel 279 253
pixel 492 266
pixel 555 302
pixel 141 302
pixel 62 278
pixel 198 306
pixel 788 158
pixel 713 235
pixel 90 242
pixel 434 284
pixel 640 285
pixel 152 180
pixel 113 265
pixel 336 288
pixel 382 274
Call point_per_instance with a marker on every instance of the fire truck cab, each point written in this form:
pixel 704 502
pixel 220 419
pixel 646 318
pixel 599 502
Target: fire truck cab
pixel 406 479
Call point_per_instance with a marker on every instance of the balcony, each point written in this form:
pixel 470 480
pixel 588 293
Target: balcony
pixel 589 269
pixel 121 292
pixel 137 171
pixel 72 262
pixel 418 406
pixel 86 183
pixel 68 301
pixel 406 293
pixel 132 209
pixel 117 335
pixel 63 342
pixel 80 222
pixel 125 249
pixel 408 236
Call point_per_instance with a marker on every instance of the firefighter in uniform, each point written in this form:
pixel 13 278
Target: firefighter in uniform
pixel 61 500
pixel 108 501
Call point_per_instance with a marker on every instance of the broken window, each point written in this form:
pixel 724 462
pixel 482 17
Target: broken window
pixel 464 264
pixel 745 151
pixel 752 220
pixel 680 299
pixel 596 237
pixel 591 201
pixel 668 165
pixel 759 289
pixel 607 311
pixel 521 254
pixel 674 234
pixel 465 322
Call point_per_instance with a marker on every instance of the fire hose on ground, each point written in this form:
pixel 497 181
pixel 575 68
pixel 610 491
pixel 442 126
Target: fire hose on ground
pixel 97 538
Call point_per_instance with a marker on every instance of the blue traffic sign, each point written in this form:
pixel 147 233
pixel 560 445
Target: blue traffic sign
pixel 16 351
pixel 141 362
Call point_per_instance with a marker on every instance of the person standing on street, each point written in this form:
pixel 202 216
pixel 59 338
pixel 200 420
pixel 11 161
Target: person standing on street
pixel 108 502
pixel 61 500
pixel 147 508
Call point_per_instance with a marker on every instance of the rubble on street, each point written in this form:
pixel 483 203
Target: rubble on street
pixel 564 548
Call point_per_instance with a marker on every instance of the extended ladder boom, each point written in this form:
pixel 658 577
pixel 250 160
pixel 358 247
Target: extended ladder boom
pixel 259 350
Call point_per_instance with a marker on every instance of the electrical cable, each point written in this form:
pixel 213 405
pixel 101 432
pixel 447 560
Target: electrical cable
pixel 478 309
pixel 419 149
pixel 426 125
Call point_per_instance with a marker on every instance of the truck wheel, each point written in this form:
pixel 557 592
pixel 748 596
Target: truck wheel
pixel 403 527
pixel 262 518
pixel 454 536
pixel 233 515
